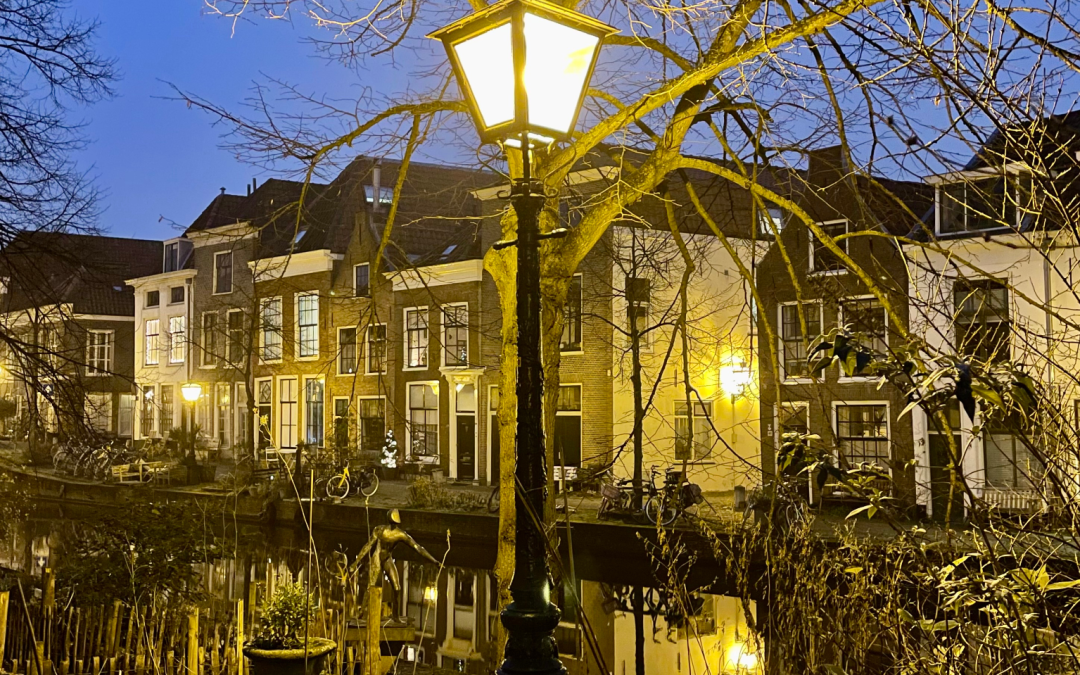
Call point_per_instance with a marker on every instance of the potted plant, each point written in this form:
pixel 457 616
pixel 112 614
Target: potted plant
pixel 389 458
pixel 279 648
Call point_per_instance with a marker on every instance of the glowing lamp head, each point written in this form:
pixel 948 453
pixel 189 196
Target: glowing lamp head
pixel 735 380
pixel 487 51
pixel 191 391
pixel 742 658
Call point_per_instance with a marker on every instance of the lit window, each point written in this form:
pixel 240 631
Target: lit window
pixel 308 325
pixel 423 422
pixel 177 337
pixel 313 412
pixel 863 434
pixel 701 433
pixel 456 335
pixel 568 426
pixel 416 337
pixel 153 341
pixel 99 350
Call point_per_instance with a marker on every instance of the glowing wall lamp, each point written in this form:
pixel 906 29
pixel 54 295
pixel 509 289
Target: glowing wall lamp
pixel 191 391
pixel 742 658
pixel 735 380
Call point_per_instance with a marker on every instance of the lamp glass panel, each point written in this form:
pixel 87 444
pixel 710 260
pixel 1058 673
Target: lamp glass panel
pixel 487 61
pixel 557 60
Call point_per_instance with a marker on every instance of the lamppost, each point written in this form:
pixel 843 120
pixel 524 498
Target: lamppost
pixel 191 391
pixel 525 102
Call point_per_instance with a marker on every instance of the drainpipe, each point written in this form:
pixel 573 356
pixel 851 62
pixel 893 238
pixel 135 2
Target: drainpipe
pixel 1047 287
pixel 376 186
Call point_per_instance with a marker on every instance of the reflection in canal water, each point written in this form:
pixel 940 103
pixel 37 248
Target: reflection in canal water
pixel 454 611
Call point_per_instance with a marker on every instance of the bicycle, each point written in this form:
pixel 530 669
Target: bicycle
pixel 493 500
pixel 339 486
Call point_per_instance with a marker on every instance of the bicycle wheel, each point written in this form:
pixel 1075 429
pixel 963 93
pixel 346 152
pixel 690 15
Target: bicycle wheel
pixel 493 500
pixel 657 511
pixel 369 484
pixel 337 487
pixel 602 510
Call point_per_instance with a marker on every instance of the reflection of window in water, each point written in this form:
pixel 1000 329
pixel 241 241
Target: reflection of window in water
pixel 464 601
pixel 421 593
pixel 567 634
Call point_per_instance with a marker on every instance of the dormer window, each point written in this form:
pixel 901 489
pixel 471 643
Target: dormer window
pixel 172 256
pixel 386 194
pixel 982 202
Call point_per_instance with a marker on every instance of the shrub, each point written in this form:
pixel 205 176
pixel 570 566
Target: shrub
pixel 424 493
pixel 283 618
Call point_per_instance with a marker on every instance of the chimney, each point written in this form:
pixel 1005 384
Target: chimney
pixel 248 190
pixel 254 185
pixel 222 190
pixel 376 186
pixel 827 165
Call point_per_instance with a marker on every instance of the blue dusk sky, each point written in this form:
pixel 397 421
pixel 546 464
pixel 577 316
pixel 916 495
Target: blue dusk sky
pixel 157 162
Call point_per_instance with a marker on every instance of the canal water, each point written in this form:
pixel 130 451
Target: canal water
pixel 453 607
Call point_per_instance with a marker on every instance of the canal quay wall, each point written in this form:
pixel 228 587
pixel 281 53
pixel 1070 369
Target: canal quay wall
pixel 613 552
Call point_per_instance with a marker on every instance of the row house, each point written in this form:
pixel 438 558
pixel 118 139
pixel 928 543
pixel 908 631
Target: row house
pixel 68 320
pixel 995 283
pixel 807 291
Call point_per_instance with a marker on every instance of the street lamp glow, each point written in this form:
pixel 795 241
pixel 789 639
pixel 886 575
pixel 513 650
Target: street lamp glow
pixel 741 658
pixel 735 380
pixel 488 51
pixel 191 391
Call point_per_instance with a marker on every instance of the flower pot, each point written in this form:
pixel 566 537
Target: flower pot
pixel 388 473
pixel 290 661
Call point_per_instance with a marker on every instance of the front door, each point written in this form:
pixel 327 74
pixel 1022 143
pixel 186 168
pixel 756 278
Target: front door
pixel 466 447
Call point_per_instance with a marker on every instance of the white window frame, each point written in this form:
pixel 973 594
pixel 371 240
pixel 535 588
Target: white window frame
pixel 356 352
pixel 230 410
pixel 802 379
pixel 442 334
pixel 709 406
pixel 173 345
pixel 333 422
pixel 304 408
pixel 422 311
pixel 152 353
pixel 645 337
pixel 812 268
pixel 178 302
pixel 571 470
pixel 209 358
pixel 836 405
pixel 967 177
pixel 789 405
pixel 318 325
pixel 146 298
pixel 297 422
pixel 232 270
pixel 360 420
pixel 581 318
pixel 429 459
pixel 263 330
pixel 840 319
pixel 237 362
pixel 356 293
pixel 367 350
pixel 257 415
pixel 155 407
pixel 92 358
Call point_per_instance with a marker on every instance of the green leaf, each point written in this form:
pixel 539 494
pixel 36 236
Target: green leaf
pixel 987 394
pixel 908 408
pixel 852 570
pixel 851 362
pixel 859 510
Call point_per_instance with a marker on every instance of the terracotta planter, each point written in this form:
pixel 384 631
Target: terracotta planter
pixel 290 661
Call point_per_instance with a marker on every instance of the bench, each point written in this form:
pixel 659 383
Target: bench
pixel 141 472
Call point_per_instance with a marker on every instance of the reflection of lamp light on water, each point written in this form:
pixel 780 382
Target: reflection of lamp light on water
pixel 741 657
pixel 431 595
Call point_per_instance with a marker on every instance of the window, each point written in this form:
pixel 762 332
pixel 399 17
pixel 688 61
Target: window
pixel 223 264
pixel 423 421
pixel 177 335
pixel 571 332
pixel 176 295
pixel 153 298
pixel 863 434
pixel 287 409
pixel 167 419
pixel 867 319
pixel 373 425
pixel 361 283
pixel 153 342
pixel 236 337
pixel 341 425
pixel 264 397
pixel 125 416
pixel 346 351
pixel 821 258
pixel 99 352
pixel 271 329
pixel 148 410
pixel 770 220
pixel 456 335
pixel 568 426
pixel 983 203
pixel 209 339
pixel 99 412
pixel 224 412
pixel 794 343
pixel 313 411
pixel 241 409
pixel 982 319
pixel 307 325
pixel 386 194
pixel 416 337
pixel 376 349
pixel 638 293
pixel 793 418
pixel 172 256
pixel 1009 462
pixel 702 432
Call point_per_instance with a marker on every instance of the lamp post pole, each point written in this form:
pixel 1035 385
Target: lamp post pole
pixel 531 618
